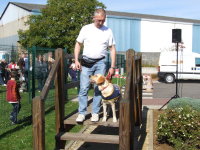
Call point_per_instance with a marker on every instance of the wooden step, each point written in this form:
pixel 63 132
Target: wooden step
pixel 71 119
pixel 97 138
pixel 109 123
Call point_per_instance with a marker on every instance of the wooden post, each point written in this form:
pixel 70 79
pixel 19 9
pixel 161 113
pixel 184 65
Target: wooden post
pixel 131 105
pixel 38 124
pixel 139 91
pixel 124 125
pixel 60 96
pixel 140 85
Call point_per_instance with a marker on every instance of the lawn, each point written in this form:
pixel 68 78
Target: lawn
pixel 19 136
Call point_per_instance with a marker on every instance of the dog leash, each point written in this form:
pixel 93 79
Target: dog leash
pixel 109 77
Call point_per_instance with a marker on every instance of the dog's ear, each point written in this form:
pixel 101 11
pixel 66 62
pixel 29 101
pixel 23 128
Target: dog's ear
pixel 101 79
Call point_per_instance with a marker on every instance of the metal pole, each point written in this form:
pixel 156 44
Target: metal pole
pixel 176 79
pixel 33 70
pixel 176 71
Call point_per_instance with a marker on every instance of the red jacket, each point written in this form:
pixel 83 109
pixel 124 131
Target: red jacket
pixel 12 94
pixel 12 66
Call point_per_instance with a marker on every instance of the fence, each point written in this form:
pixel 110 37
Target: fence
pixel 131 103
pixel 27 96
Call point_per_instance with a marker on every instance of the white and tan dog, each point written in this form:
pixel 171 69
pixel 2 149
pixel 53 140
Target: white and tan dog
pixel 110 94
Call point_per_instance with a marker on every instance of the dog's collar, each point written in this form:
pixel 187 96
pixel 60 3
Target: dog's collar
pixel 116 93
pixel 105 87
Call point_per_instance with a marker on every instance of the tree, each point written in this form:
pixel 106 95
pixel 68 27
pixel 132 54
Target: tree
pixel 59 23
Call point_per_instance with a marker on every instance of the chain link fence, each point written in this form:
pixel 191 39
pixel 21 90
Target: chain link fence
pixel 37 74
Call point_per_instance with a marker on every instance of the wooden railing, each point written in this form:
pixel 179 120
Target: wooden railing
pixel 57 72
pixel 131 103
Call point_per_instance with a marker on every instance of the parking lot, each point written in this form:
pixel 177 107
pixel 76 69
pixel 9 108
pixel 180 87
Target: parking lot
pixel 190 88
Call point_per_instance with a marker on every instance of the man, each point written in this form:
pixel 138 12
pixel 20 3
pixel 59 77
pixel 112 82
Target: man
pixel 96 39
pixel 23 65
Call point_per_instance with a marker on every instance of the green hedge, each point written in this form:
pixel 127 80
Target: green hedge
pixel 181 102
pixel 179 127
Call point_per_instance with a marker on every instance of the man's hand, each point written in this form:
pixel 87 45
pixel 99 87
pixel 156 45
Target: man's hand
pixel 77 65
pixel 111 71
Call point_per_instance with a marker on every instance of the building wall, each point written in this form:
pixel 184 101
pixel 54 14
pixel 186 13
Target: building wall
pixel 126 31
pixel 138 33
pixel 147 35
pixel 156 36
pixel 13 13
pixel 12 21
pixel 12 28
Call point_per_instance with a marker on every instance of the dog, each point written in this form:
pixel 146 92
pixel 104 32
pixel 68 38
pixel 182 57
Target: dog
pixel 110 94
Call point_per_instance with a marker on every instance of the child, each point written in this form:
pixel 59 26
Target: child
pixel 72 71
pixel 13 97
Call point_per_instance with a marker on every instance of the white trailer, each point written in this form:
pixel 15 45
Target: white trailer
pixel 188 66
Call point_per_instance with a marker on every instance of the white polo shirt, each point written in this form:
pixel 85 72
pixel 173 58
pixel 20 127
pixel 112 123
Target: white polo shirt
pixel 95 40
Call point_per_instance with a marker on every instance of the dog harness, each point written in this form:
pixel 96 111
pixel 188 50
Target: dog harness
pixel 115 95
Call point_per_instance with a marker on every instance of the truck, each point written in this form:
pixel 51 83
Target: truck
pixel 186 67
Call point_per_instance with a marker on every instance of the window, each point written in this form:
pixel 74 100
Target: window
pixel 197 62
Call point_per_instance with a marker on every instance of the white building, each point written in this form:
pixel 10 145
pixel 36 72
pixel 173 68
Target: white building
pixel 12 19
pixel 143 33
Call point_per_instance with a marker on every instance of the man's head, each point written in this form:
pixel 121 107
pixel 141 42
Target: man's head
pixel 99 17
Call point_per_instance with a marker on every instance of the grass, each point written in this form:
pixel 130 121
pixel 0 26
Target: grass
pixel 19 136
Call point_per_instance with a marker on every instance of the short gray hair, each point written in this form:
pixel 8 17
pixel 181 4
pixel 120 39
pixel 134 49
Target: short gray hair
pixel 100 11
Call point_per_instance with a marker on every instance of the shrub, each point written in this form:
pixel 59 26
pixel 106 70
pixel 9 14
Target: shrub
pixel 182 102
pixel 180 127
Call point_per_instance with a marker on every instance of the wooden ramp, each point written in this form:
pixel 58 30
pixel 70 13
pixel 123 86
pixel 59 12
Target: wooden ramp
pixel 70 122
pixel 97 138
pixel 130 107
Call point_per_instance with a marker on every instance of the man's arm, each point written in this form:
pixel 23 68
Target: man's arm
pixel 113 59
pixel 77 50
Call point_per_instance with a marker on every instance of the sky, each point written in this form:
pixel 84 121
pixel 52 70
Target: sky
pixel 172 8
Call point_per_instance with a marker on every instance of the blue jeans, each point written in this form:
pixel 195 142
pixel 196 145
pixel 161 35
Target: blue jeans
pixel 73 74
pixel 1 79
pixel 15 111
pixel 98 68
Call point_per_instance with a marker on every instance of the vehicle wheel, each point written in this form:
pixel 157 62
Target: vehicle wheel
pixel 169 78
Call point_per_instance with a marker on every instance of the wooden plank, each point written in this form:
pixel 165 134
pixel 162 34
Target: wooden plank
pixel 97 138
pixel 133 97
pixel 51 77
pixel 129 74
pixel 38 124
pixel 60 97
pixel 59 92
pixel 140 86
pixel 108 123
pixel 71 119
pixel 124 125
pixel 72 84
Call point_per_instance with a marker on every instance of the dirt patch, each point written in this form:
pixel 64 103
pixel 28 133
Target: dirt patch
pixel 156 145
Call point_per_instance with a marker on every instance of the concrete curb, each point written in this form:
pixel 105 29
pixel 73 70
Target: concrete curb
pixel 150 120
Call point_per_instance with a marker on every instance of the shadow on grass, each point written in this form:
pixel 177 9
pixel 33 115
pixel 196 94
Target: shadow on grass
pixel 21 124
pixel 26 121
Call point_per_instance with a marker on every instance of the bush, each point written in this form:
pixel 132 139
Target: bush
pixel 180 127
pixel 182 102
